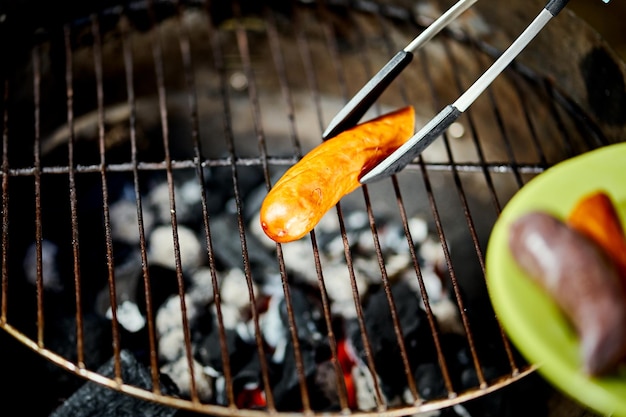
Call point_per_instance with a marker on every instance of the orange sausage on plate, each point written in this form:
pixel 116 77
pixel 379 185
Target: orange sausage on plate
pixel 301 197
pixel 582 280
pixel 595 216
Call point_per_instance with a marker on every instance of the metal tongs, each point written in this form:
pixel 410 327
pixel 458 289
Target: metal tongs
pixel 360 103
pixel 352 112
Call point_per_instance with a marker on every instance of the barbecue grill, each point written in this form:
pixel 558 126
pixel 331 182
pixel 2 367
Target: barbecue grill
pixel 138 141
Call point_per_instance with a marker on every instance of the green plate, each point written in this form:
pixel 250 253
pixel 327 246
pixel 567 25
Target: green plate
pixel 530 318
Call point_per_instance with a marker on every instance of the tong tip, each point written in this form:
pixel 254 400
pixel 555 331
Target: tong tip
pixel 402 156
pixel 389 166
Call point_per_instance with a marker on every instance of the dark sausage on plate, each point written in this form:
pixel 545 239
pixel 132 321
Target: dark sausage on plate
pixel 581 279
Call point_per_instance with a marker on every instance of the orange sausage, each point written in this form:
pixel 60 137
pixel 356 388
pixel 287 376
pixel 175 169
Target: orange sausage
pixel 310 188
pixel 596 217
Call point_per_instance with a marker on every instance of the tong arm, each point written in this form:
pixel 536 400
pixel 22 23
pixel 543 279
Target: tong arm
pixel 414 146
pixel 358 105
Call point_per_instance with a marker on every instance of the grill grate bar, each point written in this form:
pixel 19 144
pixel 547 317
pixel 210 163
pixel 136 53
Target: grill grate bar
pixel 333 50
pixel 494 198
pixel 220 66
pixel 244 54
pixel 127 56
pixel 5 202
pixel 98 70
pixel 440 230
pixel 505 137
pixel 367 67
pixel 496 110
pixel 185 48
pixel 566 138
pixel 484 166
pixel 228 378
pixel 244 51
pixel 69 92
pixel 281 72
pixel 441 358
pixel 306 57
pixel 193 113
pixel 37 178
pixel 443 363
pixel 392 305
pixel 443 166
pixel 279 64
pixel 468 216
pixel 455 287
pixel 341 383
pixel 157 54
pixel 379 398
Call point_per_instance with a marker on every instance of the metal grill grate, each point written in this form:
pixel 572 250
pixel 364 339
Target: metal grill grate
pixel 131 99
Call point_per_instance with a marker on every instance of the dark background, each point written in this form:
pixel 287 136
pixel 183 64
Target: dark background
pixel 607 19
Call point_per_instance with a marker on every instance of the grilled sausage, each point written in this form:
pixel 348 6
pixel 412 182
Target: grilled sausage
pixel 581 279
pixel 310 188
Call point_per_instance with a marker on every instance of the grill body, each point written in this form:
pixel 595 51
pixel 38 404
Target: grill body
pixel 139 140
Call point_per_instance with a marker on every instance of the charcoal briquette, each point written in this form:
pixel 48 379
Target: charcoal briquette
pixel 94 400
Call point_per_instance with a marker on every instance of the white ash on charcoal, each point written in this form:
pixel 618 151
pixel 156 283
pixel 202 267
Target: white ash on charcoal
pixel 299 261
pixel 162 250
pixel 275 334
pixel 448 316
pixel 178 371
pixel 169 326
pixel 126 276
pixel 128 315
pixel 124 229
pixel 313 348
pixel 199 305
pixel 171 345
pixel 364 388
pixel 156 217
pixel 234 289
pixel 188 188
pixel 231 316
pixel 172 352
pixel 187 199
pixel 201 283
pixel 274 327
pixel 338 285
pixel 125 219
pixel 50 276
